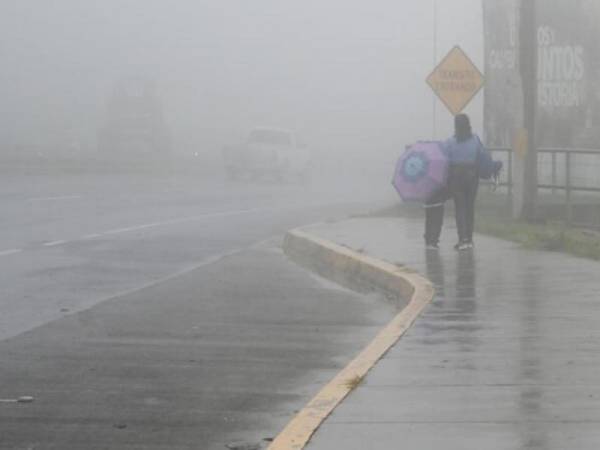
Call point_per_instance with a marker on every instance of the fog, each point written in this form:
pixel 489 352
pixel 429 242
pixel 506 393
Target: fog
pixel 347 75
pixel 199 231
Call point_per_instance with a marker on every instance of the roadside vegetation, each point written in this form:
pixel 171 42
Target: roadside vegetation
pixel 494 219
pixel 554 237
pixel 549 234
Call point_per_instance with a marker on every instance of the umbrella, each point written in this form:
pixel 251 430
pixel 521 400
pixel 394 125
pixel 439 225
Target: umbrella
pixel 421 171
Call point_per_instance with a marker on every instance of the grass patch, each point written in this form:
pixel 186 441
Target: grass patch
pixel 354 382
pixel 550 237
pixel 494 220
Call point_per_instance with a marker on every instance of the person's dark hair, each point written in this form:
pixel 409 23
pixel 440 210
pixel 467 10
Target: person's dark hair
pixel 462 127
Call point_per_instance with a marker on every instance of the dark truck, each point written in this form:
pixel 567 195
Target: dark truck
pixel 134 126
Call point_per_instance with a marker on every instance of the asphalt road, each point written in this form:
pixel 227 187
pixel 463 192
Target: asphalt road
pixel 158 311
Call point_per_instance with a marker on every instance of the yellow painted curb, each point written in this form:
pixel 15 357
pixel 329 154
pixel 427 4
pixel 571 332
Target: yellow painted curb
pixel 350 267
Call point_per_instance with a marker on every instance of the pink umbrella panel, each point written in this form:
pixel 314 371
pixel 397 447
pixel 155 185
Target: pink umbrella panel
pixel 421 171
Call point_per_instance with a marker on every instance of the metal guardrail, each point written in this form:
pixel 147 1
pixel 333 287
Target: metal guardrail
pixel 567 170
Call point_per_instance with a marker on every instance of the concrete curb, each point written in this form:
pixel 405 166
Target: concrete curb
pixel 361 272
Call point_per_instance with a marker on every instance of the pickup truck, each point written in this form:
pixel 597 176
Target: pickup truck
pixel 268 152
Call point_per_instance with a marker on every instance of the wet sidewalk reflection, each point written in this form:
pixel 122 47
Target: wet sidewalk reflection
pixel 505 357
pixel 456 300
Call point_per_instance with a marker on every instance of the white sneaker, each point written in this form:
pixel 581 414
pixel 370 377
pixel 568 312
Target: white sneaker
pixel 464 246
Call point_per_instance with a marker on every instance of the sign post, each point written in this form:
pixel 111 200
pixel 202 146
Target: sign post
pixel 456 80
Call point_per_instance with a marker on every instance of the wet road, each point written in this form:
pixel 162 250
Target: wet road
pixel 160 312
pixel 68 243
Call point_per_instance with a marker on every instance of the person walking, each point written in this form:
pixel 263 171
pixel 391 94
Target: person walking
pixel 468 161
pixel 465 154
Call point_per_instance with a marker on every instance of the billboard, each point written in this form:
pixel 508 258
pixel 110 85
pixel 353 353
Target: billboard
pixel 568 73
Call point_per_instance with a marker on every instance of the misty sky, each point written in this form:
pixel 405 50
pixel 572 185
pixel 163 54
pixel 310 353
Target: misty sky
pixel 347 74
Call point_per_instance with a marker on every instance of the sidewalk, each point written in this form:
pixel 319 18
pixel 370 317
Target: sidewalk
pixel 507 356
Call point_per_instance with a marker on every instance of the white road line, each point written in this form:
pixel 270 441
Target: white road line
pixel 54 243
pixel 57 198
pixel 216 214
pixel 184 220
pixel 91 236
pixel 146 226
pixel 11 251
pixel 134 228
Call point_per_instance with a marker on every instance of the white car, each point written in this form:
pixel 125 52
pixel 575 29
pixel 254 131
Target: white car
pixel 268 152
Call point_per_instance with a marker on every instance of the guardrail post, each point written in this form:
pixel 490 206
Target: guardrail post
pixel 509 176
pixel 568 187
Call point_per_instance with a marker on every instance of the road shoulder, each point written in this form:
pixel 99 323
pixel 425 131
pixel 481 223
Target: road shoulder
pixel 411 291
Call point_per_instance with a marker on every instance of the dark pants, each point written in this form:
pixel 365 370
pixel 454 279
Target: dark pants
pixel 434 215
pixel 462 187
pixel 463 183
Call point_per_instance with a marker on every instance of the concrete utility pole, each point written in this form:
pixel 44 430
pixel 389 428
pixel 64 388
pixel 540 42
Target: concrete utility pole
pixel 528 58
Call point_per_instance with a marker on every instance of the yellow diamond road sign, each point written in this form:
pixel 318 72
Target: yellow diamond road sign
pixel 455 80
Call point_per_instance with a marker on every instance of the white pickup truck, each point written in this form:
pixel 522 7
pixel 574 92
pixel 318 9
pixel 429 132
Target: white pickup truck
pixel 268 152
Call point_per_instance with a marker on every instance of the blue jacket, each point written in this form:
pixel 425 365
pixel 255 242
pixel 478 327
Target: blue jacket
pixel 464 152
pixel 472 151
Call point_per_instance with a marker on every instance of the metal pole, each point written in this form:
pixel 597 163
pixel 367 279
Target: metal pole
pixel 434 101
pixel 510 176
pixel 554 173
